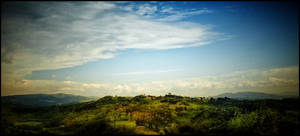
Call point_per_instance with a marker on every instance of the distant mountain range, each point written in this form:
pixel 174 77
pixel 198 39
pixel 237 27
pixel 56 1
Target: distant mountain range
pixel 44 99
pixel 250 95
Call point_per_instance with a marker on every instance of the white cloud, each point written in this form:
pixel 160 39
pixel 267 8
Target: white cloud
pixel 165 13
pixel 61 35
pixel 174 15
pixel 129 8
pixel 146 9
pixel 168 10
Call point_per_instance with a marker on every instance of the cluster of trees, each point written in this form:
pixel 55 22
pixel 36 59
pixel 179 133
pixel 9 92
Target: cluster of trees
pixel 168 114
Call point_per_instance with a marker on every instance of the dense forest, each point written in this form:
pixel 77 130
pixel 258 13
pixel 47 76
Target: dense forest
pixel 161 115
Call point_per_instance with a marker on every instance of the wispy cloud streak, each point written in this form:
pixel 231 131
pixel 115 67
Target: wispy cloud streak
pixel 148 72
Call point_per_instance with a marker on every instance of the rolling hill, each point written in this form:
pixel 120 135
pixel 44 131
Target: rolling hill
pixel 154 115
pixel 44 99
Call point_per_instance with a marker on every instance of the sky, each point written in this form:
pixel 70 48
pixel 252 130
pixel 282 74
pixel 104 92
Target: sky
pixel 132 48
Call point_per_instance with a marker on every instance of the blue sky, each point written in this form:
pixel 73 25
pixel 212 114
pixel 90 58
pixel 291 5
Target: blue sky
pixel 129 48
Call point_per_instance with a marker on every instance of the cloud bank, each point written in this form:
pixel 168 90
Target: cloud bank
pixel 278 81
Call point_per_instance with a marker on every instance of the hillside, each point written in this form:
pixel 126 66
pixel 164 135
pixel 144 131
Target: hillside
pixel 145 114
pixel 44 99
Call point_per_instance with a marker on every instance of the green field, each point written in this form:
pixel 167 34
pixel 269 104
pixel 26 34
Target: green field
pixel 155 115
